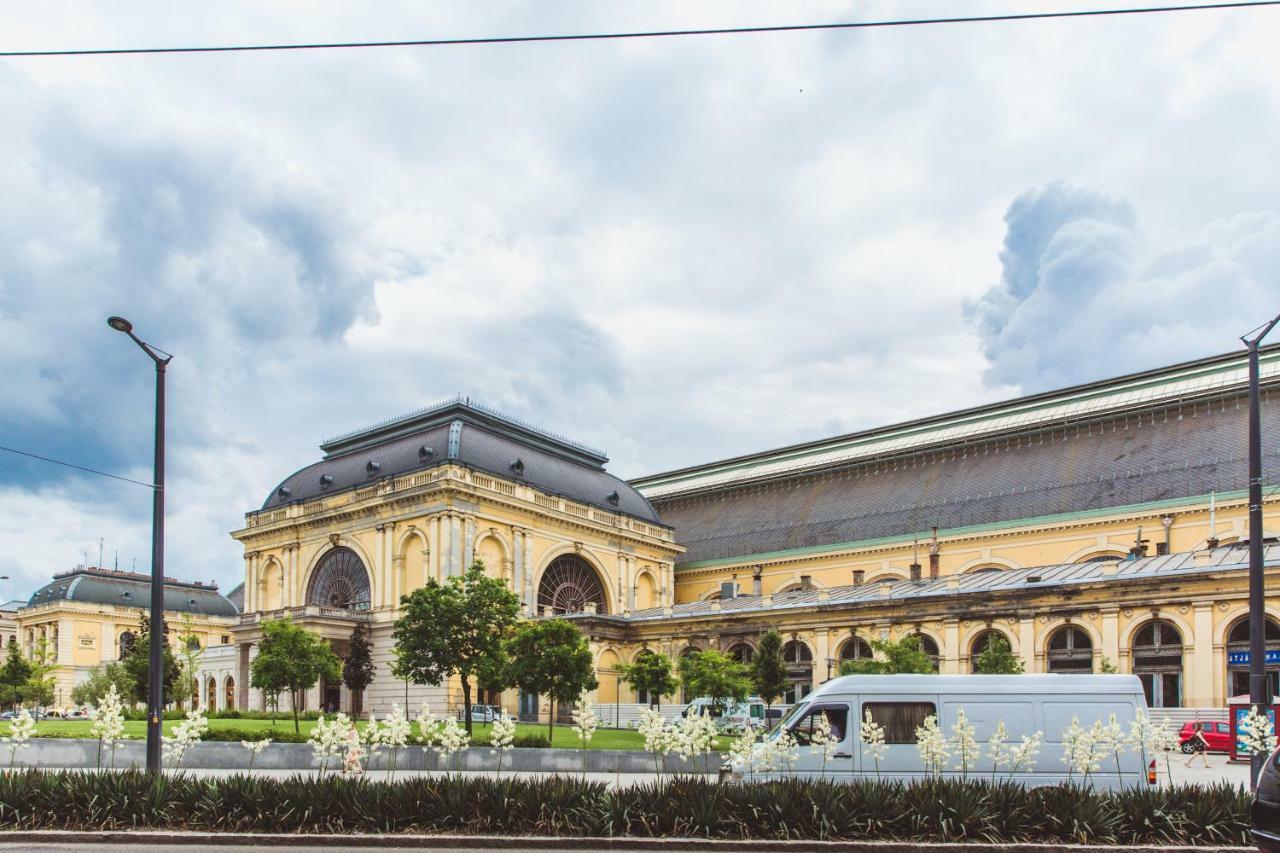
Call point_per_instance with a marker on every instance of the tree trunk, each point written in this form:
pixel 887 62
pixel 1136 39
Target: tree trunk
pixel 551 719
pixel 293 702
pixel 466 703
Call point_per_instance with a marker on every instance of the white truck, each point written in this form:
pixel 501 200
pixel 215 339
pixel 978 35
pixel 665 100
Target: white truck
pixel 1026 704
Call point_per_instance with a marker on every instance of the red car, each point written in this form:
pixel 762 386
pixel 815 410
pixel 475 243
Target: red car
pixel 1217 734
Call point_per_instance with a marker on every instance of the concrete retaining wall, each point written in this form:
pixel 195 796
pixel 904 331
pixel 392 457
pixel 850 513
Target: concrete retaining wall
pixel 230 755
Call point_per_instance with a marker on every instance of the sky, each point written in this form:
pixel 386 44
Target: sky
pixel 678 250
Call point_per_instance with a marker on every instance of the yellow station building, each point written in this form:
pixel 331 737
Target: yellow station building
pixel 1100 525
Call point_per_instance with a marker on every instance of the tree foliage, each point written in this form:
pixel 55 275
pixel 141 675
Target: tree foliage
pixel 998 658
pixel 550 657
pixel 137 664
pixel 358 669
pixel 292 659
pixel 768 670
pixel 14 677
pixel 92 689
pixel 900 656
pixel 188 659
pixel 715 675
pixel 651 673
pixel 456 627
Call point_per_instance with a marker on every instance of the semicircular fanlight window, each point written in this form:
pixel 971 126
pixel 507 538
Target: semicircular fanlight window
pixel 340 581
pixel 568 585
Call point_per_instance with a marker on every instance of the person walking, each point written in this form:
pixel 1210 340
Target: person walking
pixel 1199 746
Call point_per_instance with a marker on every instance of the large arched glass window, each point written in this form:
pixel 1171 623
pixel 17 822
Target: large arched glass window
pixel 799 663
pixel 1157 661
pixel 1238 657
pixel 741 652
pixel 979 645
pixel 1070 651
pixel 340 581
pixel 126 642
pixel 568 585
pixel 930 647
pixel 855 649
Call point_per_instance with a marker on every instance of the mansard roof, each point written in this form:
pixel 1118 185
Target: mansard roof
pixel 1171 433
pixel 873 593
pixel 131 589
pixel 461 431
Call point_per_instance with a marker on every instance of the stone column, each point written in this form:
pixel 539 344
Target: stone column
pixel 630 581
pixel 1111 633
pixel 951 651
pixel 248 651
pixel 1198 661
pixel 398 579
pixel 1027 642
pixel 455 545
pixel 252 602
pixel 530 593
pixel 432 561
pixel 517 562
pixel 468 544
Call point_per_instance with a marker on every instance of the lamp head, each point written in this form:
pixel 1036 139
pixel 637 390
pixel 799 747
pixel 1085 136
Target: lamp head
pixel 120 324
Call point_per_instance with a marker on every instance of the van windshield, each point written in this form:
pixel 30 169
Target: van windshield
pixel 793 715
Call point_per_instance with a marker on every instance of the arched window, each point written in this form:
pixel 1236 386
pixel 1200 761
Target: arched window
pixel 979 645
pixel 229 692
pixel 855 649
pixel 211 694
pixel 1238 657
pixel 1102 558
pixel 568 585
pixel 799 663
pixel 126 642
pixel 1070 651
pixel 1157 661
pixel 741 652
pixel 930 648
pixel 340 581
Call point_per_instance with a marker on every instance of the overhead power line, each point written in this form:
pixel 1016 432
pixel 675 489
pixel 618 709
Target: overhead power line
pixel 645 34
pixel 77 467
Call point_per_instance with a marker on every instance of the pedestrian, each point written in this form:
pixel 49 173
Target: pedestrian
pixel 1199 746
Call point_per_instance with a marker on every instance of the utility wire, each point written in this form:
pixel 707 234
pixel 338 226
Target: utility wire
pixel 77 467
pixel 643 34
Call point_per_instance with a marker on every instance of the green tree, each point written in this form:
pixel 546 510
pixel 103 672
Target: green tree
pixel 291 658
pixel 768 670
pixel 902 656
pixel 550 657
pixel 188 657
pixel 137 664
pixel 358 669
pixel 998 658
pixel 456 627
pixel 92 689
pixel 14 676
pixel 652 674
pixel 715 675
pixel 1106 667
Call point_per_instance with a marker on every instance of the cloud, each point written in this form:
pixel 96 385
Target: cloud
pixel 1083 296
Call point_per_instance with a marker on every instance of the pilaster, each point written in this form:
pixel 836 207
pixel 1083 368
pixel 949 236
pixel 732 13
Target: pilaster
pixel 1111 633
pixel 951 651
pixel 1027 642
pixel 1198 666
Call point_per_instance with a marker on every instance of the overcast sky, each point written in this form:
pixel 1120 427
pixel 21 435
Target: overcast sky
pixel 676 249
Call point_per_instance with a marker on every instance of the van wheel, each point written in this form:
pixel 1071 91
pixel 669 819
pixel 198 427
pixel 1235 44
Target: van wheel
pixel 1187 748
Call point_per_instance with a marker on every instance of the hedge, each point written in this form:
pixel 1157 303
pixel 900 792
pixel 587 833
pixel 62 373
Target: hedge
pixel 930 811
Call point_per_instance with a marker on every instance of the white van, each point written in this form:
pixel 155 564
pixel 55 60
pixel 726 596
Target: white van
pixel 1025 703
pixel 736 716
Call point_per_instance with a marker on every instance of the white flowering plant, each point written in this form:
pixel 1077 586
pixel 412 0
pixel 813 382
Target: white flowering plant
pixel 692 736
pixel 395 733
pixel 653 728
pixel 871 734
pixel 20 731
pixel 931 743
pixel 452 739
pixel 1257 733
pixel 328 738
pixel 966 743
pixel 354 753
pixel 255 748
pixel 822 740
pixel 371 739
pixel 108 723
pixel 1024 755
pixel 502 736
pixel 1111 740
pixel 185 733
pixel 742 750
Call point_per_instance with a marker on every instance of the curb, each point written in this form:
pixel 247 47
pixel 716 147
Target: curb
pixel 506 842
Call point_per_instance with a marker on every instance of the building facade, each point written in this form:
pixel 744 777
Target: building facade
pixel 88 617
pixel 1094 527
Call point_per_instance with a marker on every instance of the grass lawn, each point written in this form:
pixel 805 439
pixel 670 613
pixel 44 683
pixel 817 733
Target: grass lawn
pixel 563 736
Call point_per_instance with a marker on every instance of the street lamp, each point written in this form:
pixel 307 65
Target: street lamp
pixel 1258 692
pixel 155 687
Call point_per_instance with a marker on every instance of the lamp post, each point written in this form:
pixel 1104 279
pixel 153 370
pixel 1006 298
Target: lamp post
pixel 155 686
pixel 1258 692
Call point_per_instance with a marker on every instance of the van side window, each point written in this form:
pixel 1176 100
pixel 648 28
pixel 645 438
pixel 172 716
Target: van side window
pixel 899 719
pixel 837 716
pixel 757 712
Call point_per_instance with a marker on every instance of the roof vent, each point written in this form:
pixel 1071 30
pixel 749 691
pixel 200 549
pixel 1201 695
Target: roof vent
pixel 326 480
pixel 613 498
pixel 517 467
pixel 284 492
pixel 425 453
pixel 371 468
pixel 806 582
pixel 126 595
pixel 191 601
pixel 1033 579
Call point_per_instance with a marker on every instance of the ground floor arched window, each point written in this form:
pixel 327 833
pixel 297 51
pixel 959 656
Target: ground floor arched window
pixel 1238 657
pixel 799 662
pixel 1157 661
pixel 930 647
pixel 1070 651
pixel 229 688
pixel 853 650
pixel 741 652
pixel 211 694
pixel 979 645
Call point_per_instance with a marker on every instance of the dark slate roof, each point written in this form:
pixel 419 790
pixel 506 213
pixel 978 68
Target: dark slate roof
pixel 466 433
pixel 131 589
pixel 1227 558
pixel 236 597
pixel 1174 451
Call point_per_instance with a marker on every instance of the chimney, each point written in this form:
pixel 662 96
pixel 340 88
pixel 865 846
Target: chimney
pixel 755 581
pixel 915 572
pixel 933 556
pixel 729 589
pixel 858 576
pixel 806 582
pixel 1166 546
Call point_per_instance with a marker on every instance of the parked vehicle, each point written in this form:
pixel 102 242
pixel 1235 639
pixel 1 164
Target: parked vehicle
pixel 481 713
pixel 736 715
pixel 1266 806
pixel 1216 734
pixel 1026 704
